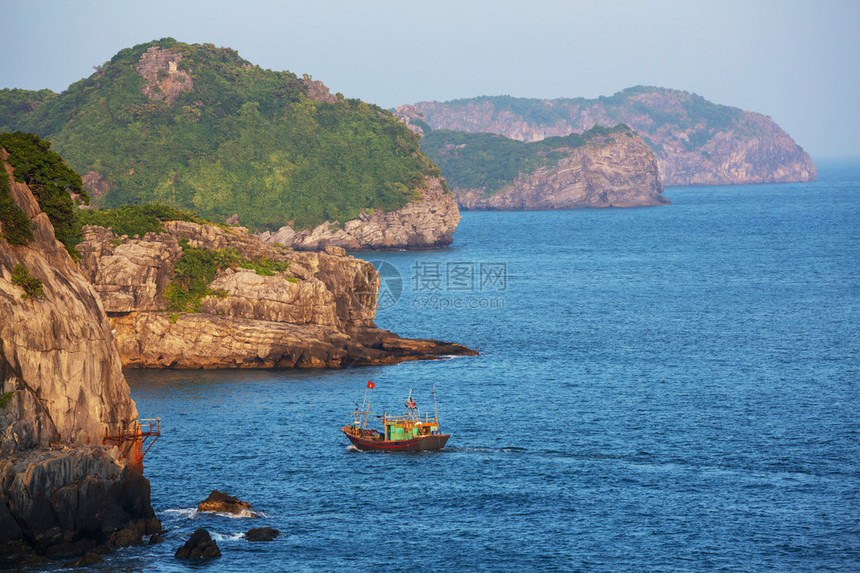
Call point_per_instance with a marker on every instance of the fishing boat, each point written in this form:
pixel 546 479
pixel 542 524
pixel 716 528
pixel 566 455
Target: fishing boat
pixel 408 432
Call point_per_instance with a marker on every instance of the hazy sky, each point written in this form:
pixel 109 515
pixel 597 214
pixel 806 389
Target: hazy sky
pixel 798 62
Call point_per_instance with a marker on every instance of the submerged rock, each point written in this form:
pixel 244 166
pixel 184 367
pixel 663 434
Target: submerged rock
pixel 86 560
pixel 262 534
pixel 220 502
pixel 199 546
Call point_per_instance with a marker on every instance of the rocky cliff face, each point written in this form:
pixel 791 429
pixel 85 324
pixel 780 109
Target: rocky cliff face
pixel 164 80
pixel 62 390
pixel 611 172
pixel 427 223
pixel 318 313
pixel 696 142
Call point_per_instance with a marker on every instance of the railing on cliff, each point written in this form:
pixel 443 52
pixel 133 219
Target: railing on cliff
pixel 143 431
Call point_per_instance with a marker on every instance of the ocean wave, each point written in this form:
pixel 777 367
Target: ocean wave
pixel 192 513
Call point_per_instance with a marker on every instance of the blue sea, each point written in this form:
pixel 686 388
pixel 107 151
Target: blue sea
pixel 660 389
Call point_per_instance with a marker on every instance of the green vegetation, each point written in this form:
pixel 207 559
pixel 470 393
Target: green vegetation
pixel 139 220
pixel 32 286
pixel 5 397
pixel 51 181
pixel 13 221
pixel 491 162
pixel 243 140
pixel 16 104
pixel 197 268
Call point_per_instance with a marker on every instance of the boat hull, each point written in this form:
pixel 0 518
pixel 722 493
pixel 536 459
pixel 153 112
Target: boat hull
pixel 421 443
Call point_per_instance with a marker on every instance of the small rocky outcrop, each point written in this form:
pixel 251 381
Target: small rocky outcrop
pixel 318 313
pixel 220 502
pixel 262 534
pixel 199 546
pixel 164 80
pixel 619 172
pixel 427 223
pixel 318 91
pixel 62 389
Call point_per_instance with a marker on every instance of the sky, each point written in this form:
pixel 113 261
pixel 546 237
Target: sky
pixel 796 61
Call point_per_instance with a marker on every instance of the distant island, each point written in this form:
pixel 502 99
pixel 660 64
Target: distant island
pixel 199 128
pixel 603 167
pixel 696 142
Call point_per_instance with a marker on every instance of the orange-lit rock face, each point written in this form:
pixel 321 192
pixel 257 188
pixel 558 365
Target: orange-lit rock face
pixel 164 80
pixel 57 359
pixel 61 490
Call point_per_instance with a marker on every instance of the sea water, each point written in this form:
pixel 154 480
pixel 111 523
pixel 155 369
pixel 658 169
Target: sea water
pixel 666 388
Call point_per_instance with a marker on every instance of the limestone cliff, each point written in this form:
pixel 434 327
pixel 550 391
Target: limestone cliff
pixel 317 313
pixel 427 223
pixel 696 142
pixel 614 170
pixel 62 390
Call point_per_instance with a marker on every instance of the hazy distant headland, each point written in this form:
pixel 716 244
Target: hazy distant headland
pixel 696 142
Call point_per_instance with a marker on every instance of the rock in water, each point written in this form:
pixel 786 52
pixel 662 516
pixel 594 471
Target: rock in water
pixel 221 502
pixel 262 534
pixel 199 546
pixel 155 539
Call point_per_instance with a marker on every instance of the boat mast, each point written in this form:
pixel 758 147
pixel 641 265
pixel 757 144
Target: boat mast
pixel 365 397
pixel 435 411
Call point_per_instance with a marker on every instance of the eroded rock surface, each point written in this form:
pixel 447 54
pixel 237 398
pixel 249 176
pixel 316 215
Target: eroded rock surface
pixel 427 223
pixel 618 172
pixel 164 80
pixel 62 390
pixel 318 313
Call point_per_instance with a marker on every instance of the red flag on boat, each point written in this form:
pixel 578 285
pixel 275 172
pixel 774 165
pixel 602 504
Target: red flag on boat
pixel 370 384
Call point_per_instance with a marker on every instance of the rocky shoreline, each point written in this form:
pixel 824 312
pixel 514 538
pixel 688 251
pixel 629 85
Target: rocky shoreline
pixel 317 313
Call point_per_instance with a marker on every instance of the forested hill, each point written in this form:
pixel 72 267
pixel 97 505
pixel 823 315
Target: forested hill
pixel 697 142
pixel 198 127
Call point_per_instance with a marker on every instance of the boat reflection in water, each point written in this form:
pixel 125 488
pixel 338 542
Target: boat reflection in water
pixel 403 433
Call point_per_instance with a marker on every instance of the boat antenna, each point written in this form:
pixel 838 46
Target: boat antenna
pixel 435 411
